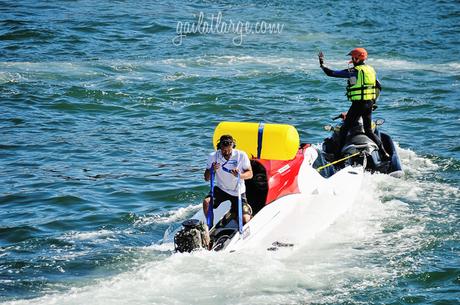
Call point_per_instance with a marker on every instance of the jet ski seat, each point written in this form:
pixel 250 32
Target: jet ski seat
pixel 257 187
pixel 360 139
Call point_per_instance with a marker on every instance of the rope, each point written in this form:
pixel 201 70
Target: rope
pixel 337 161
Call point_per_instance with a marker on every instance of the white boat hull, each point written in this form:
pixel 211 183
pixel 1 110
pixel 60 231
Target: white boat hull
pixel 293 220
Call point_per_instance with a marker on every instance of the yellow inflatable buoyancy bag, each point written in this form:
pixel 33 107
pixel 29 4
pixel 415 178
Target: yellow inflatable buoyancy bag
pixel 261 141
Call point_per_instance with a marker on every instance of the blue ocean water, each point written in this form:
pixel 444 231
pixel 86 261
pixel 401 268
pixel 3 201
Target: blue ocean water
pixel 106 122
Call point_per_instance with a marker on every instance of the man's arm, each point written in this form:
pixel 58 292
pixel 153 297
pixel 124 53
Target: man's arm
pixel 247 174
pixel 335 73
pixel 207 175
pixel 207 172
pixel 339 73
pixel 247 168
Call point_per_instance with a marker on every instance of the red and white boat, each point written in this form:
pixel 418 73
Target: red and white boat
pixel 291 200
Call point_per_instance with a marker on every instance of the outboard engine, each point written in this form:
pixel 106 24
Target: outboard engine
pixel 194 235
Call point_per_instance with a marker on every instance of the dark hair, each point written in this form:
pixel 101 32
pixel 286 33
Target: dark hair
pixel 225 140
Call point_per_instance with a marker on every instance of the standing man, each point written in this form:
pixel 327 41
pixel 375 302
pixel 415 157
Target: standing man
pixel 227 162
pixel 362 90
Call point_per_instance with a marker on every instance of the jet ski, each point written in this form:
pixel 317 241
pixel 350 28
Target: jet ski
pixel 292 201
pixel 359 149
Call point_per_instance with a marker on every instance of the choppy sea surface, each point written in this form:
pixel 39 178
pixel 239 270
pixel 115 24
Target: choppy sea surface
pixel 106 119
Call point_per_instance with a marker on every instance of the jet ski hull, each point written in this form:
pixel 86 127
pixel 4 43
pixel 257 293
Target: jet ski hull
pixel 359 149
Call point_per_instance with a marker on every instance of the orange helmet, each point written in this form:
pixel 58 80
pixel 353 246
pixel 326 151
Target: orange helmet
pixel 359 53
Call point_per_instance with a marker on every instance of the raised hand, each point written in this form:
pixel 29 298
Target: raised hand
pixel 321 58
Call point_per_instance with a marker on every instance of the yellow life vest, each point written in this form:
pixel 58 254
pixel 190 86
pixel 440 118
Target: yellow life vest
pixel 365 87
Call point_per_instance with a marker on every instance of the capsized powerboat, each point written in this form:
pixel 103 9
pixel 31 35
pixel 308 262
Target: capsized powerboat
pixel 291 200
pixel 360 149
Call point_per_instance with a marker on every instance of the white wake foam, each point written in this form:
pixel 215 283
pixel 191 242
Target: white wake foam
pixel 369 246
pixel 168 216
pixel 176 69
